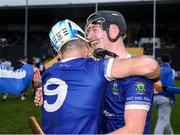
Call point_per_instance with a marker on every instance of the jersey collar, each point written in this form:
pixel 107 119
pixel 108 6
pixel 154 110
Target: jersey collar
pixel 68 59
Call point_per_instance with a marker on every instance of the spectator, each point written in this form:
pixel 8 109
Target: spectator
pixel 164 101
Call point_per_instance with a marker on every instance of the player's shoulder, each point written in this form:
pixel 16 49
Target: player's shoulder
pixel 97 64
pixel 51 68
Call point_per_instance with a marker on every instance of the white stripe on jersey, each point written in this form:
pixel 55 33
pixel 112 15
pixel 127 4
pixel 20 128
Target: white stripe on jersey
pixel 108 75
pixel 135 106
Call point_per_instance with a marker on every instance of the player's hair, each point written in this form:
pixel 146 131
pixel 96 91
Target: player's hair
pixel 166 58
pixel 72 45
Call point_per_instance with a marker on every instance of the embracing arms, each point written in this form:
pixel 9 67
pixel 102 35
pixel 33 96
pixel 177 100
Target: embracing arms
pixel 142 66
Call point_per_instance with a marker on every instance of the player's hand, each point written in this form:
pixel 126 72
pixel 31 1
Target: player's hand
pixel 37 85
pixel 158 87
pixel 38 99
pixel 37 74
pixel 101 53
pixel 36 79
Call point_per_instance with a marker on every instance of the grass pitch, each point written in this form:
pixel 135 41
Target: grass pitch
pixel 14 114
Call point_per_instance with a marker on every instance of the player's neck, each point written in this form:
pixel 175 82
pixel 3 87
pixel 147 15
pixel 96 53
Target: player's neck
pixel 73 54
pixel 120 50
pixel 68 59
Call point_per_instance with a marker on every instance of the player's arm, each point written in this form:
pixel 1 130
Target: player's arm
pixel 137 106
pixel 37 85
pixel 170 89
pixel 134 122
pixel 38 99
pixel 142 65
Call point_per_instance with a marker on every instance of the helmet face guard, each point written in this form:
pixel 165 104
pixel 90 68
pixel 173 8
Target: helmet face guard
pixel 64 31
pixel 94 18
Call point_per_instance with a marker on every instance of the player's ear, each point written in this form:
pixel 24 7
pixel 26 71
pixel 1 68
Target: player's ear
pixel 60 56
pixel 85 50
pixel 113 31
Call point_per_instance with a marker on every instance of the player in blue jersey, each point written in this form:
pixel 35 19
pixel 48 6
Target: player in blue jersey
pixel 15 82
pixel 73 89
pixel 165 100
pixel 129 100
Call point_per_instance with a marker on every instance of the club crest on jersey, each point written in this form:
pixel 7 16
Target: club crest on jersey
pixel 140 88
pixel 115 88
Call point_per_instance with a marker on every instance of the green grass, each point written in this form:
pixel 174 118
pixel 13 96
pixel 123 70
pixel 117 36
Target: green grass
pixel 14 114
pixel 175 115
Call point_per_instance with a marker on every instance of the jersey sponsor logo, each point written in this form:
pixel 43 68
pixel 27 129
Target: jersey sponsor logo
pixel 138 98
pixel 140 88
pixel 115 88
pixel 108 114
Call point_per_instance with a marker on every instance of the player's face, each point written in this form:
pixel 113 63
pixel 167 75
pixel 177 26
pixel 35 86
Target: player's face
pixel 96 36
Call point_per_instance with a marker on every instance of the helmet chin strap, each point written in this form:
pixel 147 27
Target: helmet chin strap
pixel 111 39
pixel 120 34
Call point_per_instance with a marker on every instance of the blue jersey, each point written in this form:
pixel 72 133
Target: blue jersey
pixel 127 93
pixel 15 82
pixel 73 96
pixel 167 79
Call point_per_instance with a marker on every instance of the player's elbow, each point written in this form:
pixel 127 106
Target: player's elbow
pixel 152 65
pixel 152 68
